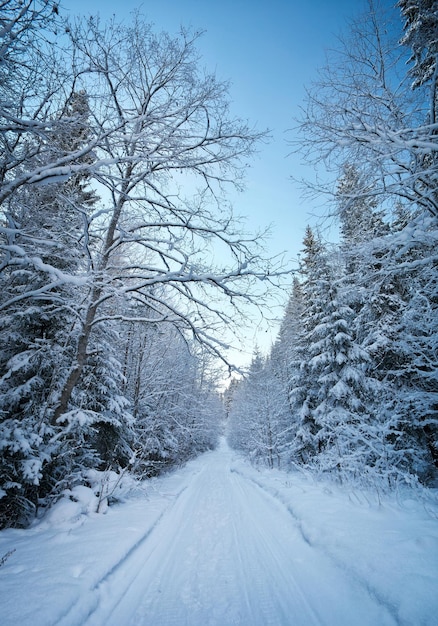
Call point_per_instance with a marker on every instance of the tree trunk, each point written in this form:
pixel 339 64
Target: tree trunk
pixel 78 365
pixel 81 351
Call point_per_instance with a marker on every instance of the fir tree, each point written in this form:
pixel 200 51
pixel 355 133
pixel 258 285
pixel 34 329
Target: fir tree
pixel 43 254
pixel 259 417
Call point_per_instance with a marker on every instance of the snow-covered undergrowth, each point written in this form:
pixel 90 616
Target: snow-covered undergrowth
pixel 67 568
pixel 102 489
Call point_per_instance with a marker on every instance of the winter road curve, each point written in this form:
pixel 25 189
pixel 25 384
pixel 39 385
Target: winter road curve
pixel 227 553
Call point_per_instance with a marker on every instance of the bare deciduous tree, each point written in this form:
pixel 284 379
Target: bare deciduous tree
pixel 165 148
pixel 363 110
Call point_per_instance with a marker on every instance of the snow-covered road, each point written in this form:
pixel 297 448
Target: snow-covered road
pixel 227 553
pixel 220 549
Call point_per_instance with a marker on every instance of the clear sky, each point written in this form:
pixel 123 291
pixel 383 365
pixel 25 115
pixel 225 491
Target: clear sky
pixel 269 50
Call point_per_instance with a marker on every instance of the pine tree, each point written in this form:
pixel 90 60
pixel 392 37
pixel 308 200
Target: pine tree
pixel 285 351
pixel 408 362
pixel 259 417
pixel 304 391
pixel 332 391
pixel 287 359
pixel 43 255
pixel 421 26
pixel 344 410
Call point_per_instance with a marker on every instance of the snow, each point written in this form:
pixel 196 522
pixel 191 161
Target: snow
pixel 219 542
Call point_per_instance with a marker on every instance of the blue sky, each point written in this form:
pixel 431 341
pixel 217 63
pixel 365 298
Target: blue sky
pixel 269 50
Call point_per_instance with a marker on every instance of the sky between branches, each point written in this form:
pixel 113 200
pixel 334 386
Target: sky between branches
pixel 269 51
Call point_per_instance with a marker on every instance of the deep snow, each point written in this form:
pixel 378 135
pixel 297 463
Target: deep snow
pixel 221 543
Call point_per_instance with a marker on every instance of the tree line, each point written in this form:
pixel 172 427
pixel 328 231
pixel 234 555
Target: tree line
pixel 350 388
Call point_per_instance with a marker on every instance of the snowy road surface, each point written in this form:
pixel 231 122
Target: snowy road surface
pixel 220 549
pixel 228 553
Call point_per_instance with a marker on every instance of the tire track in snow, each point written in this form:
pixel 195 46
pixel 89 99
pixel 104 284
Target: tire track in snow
pixel 340 564
pixel 274 594
pixel 210 565
pixel 83 608
pixel 225 552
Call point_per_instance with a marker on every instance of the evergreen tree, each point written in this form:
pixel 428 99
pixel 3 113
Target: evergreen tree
pixel 364 111
pixel 39 295
pixel 406 360
pixel 355 207
pixel 421 27
pixel 259 417
pixel 304 390
pixel 344 407
pixel 285 351
pixel 287 356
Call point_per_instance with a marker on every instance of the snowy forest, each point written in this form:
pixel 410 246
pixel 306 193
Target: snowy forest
pixel 350 388
pixel 122 263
